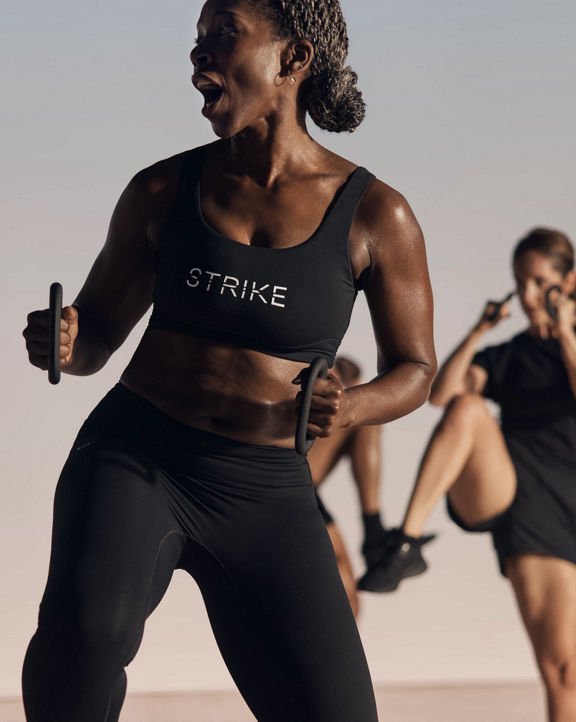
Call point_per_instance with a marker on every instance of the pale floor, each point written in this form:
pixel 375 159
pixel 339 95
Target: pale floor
pixel 460 703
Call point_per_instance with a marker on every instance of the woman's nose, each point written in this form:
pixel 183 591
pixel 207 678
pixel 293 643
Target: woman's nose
pixel 533 295
pixel 199 56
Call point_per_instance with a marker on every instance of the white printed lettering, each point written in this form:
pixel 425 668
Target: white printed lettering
pixel 276 295
pixel 195 278
pixel 240 289
pixel 257 291
pixel 212 274
pixel 232 286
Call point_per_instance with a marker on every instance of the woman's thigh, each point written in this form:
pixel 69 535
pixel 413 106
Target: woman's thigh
pixel 113 553
pixel 285 627
pixel 114 544
pixel 545 589
pixel 486 486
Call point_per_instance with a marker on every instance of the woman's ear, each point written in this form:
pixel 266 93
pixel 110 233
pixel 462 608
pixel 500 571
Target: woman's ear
pixel 298 58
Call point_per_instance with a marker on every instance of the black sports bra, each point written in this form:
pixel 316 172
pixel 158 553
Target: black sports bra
pixel 293 302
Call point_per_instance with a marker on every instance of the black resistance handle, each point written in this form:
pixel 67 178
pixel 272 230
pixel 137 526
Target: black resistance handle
pixel 494 314
pixel 318 368
pixel 54 349
pixel 550 307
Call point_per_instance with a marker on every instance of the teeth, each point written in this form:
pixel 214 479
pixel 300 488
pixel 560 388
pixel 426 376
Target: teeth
pixel 203 84
pixel 212 92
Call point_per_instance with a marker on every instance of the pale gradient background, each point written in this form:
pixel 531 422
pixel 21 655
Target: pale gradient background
pixel 471 114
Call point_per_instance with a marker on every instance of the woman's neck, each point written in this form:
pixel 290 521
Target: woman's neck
pixel 265 156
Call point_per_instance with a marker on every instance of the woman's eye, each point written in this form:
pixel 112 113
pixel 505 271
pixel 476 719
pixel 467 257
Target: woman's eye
pixel 225 29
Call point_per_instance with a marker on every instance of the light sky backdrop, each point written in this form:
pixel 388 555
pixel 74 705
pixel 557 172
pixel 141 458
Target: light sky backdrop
pixel 471 114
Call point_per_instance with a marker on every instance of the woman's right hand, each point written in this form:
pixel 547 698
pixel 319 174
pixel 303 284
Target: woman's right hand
pixel 37 335
pixel 493 313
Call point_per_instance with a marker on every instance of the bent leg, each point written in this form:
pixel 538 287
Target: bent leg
pixel 283 622
pixel 365 449
pixel 545 589
pixel 468 459
pixel 341 554
pixel 366 457
pixel 113 553
pixel 344 567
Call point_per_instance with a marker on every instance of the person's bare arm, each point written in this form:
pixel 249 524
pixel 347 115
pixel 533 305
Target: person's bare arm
pixel 458 374
pixel 397 287
pixel 118 290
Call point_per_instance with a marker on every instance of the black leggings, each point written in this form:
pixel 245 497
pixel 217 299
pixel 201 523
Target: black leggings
pixel 141 495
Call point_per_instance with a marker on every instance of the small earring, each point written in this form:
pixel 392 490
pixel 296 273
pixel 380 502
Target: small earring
pixel 279 80
pixel 292 78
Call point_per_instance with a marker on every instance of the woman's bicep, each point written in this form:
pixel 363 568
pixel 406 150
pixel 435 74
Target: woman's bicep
pixel 119 286
pixel 398 287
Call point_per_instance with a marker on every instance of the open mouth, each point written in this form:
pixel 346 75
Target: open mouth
pixel 210 91
pixel 211 95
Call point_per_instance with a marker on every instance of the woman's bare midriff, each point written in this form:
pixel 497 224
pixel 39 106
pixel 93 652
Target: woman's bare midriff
pixel 217 387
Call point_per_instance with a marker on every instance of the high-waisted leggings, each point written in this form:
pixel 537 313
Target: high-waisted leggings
pixel 141 495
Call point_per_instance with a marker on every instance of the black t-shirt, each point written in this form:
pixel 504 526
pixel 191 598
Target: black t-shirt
pixel 528 379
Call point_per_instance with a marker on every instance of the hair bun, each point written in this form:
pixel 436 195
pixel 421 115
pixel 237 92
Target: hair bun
pixel 334 101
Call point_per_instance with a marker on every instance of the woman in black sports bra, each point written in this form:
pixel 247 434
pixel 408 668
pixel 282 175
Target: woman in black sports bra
pixel 252 249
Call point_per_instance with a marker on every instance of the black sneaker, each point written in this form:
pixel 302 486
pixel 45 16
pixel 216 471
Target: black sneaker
pixel 375 550
pixel 402 558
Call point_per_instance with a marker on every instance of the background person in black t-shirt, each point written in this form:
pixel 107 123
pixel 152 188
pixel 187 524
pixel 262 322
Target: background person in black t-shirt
pixel 516 479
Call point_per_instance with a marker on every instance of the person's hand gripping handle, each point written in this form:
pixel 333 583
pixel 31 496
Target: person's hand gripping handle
pixel 54 342
pixel 303 442
pixel 50 335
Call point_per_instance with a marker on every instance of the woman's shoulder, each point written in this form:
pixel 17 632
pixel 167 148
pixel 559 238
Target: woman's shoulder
pixel 158 184
pixel 385 219
pixel 160 175
pixel 382 202
pixel 381 206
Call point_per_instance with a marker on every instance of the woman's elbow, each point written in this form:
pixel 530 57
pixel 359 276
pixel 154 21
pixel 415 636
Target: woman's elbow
pixel 428 373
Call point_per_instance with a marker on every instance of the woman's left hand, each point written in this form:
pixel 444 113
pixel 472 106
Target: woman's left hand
pixel 329 407
pixel 566 317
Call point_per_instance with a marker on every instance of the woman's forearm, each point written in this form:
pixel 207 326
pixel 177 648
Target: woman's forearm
pixel 389 396
pixel 90 351
pixel 451 378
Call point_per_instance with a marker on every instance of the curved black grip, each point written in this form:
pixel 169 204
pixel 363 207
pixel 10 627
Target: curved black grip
pixel 550 307
pixel 494 314
pixel 318 367
pixel 54 349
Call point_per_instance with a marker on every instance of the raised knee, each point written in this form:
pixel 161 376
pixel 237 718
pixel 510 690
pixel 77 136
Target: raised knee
pixel 466 403
pixel 466 407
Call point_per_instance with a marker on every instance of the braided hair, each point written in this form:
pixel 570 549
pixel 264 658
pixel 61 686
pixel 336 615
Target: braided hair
pixel 332 98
